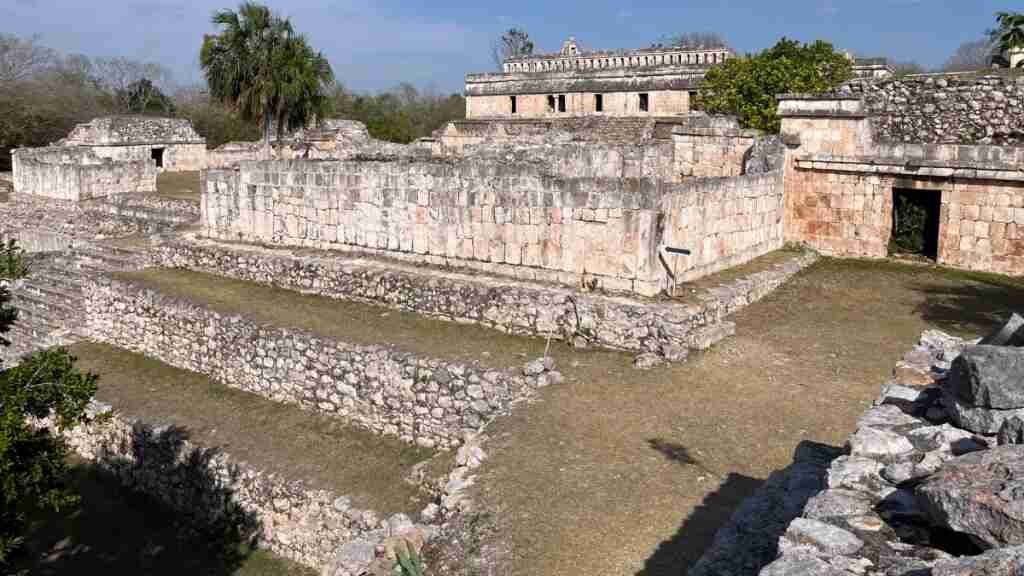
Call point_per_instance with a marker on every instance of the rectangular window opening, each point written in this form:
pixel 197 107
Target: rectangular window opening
pixel 551 103
pixel 157 155
pixel 599 102
pixel 561 103
pixel 915 223
pixel 645 102
pixel 514 106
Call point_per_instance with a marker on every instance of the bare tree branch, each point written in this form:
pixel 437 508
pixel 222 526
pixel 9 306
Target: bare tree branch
pixel 22 58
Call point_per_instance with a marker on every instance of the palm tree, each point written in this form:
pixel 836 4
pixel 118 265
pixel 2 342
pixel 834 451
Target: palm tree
pixel 261 66
pixel 1008 37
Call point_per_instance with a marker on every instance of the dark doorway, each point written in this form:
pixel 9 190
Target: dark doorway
pixel 599 102
pixel 551 103
pixel 515 108
pixel 157 154
pixel 561 103
pixel 645 102
pixel 915 223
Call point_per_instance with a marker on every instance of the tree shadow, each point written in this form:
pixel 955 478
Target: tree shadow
pixel 744 517
pixel 120 527
pixel 971 308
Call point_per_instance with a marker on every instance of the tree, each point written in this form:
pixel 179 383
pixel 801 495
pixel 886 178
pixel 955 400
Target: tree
pixel 119 76
pixel 512 44
pixel 144 97
pixel 746 87
pixel 33 464
pixel 261 67
pixel 1008 37
pixel 21 58
pixel 973 55
pixel 695 40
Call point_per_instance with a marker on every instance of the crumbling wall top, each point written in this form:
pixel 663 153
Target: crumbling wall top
pixel 133 130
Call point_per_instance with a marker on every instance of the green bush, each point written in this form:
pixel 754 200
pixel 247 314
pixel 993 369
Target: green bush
pixel 12 260
pixel 746 87
pixel 909 222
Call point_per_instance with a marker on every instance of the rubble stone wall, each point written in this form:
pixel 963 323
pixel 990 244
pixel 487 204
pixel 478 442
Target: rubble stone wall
pixel 77 173
pixel 292 520
pixel 952 109
pixel 506 219
pixel 433 403
pixel 724 222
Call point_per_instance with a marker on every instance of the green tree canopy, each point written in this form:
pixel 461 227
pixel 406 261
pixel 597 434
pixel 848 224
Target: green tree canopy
pixel 746 87
pixel 1008 36
pixel 261 66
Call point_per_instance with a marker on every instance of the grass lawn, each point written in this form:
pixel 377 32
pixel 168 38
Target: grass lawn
pixel 114 531
pixel 268 435
pixel 179 185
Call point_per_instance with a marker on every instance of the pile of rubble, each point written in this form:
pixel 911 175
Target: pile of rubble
pixel 933 481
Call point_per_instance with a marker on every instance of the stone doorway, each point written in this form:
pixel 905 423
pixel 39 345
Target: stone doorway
pixel 157 155
pixel 915 223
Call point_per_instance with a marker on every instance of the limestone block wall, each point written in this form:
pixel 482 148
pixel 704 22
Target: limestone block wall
pixel 724 222
pixel 427 401
pixel 710 152
pixel 505 219
pixel 176 157
pixel 77 173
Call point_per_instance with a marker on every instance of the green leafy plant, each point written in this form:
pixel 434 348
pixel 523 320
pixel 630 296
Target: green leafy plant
pixel 409 562
pixel 1007 37
pixel 746 87
pixel 13 264
pixel 909 221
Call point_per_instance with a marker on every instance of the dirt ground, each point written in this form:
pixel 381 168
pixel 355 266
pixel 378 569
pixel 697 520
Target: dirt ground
pixel 271 436
pixel 623 472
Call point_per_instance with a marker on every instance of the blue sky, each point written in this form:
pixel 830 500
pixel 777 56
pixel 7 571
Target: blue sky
pixel 375 44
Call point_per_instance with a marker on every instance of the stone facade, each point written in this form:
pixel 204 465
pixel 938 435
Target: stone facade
pixel 840 184
pixel 714 147
pixel 431 402
pixel 647 82
pixel 948 108
pixel 78 173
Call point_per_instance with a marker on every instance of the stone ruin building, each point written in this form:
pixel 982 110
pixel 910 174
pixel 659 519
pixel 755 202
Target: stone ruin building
pixel 572 83
pixel 109 155
pixel 579 228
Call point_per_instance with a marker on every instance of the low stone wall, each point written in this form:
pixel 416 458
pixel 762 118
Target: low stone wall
pixel 724 222
pixel 210 490
pixel 508 306
pixel 147 208
pixel 506 219
pixel 179 157
pixel 431 402
pixel 718 151
pixel 77 173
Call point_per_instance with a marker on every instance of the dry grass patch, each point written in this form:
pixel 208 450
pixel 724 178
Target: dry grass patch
pixel 179 185
pixel 352 322
pixel 619 471
pixel 270 436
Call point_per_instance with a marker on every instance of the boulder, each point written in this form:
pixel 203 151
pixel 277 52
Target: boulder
pixel 879 444
pixel 801 564
pixel 986 421
pixel 1011 432
pixel 998 562
pixel 647 360
pixel 1009 334
pixel 825 538
pixel 989 377
pixel 980 494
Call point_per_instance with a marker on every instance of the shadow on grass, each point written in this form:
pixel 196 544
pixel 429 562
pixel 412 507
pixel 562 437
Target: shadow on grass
pixel 971 308
pixel 195 527
pixel 752 527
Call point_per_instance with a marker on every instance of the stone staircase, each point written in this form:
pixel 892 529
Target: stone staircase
pixel 50 300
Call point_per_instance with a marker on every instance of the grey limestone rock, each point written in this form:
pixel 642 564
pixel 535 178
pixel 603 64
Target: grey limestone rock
pixel 801 564
pixel 1009 334
pixel 986 421
pixel 980 494
pixel 825 538
pixel 879 444
pixel 998 562
pixel 989 377
pixel 647 360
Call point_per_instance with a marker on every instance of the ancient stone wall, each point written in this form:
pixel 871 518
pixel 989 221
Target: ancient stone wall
pixel 580 104
pixel 433 403
pixel 711 151
pixel 77 173
pixel 175 157
pixel 723 222
pixel 507 219
pixel 133 130
pixel 952 109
